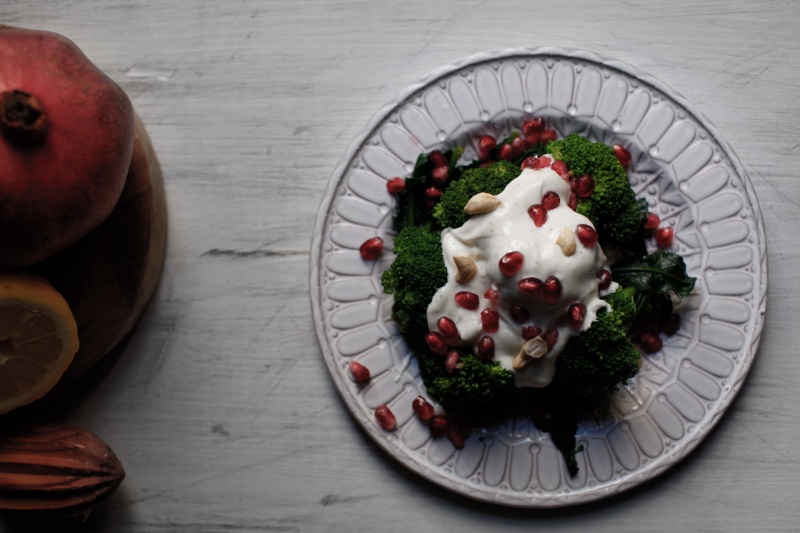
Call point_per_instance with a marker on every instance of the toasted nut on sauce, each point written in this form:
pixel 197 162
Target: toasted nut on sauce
pixel 533 349
pixel 467 268
pixel 566 241
pixel 483 202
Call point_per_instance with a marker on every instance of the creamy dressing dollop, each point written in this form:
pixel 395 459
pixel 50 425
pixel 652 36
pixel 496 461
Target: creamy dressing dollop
pixel 487 238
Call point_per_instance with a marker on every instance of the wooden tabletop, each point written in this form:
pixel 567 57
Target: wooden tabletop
pixel 221 407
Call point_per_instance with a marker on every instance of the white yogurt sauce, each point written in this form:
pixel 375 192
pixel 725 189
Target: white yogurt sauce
pixel 487 238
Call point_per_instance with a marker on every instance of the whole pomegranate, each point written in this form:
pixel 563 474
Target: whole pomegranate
pixel 66 138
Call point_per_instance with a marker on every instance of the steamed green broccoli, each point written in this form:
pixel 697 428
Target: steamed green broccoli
pixel 613 208
pixel 414 277
pixel 449 212
pixel 601 358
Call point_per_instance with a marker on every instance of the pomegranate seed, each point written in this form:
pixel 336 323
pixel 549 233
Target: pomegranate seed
pixel 529 162
pixel 560 168
pixel 422 408
pixel 506 152
pixel 371 248
pixel 386 418
pixel 359 372
pixel 551 337
pixel 603 279
pixel 439 175
pixel 584 186
pixel 650 326
pixel 622 154
pixel 437 424
pixel 486 144
pixel 485 349
pixel 544 162
pixel 451 363
pixel 652 221
pixel 552 290
pixel 433 194
pixel 438 159
pixel 587 235
pixel 455 437
pixel 491 294
pixel 519 313
pixel 548 135
pixel 511 263
pixel 449 331
pixel 533 138
pixel 467 300
pixel 650 343
pixel 396 185
pixel 538 214
pixel 532 287
pixel 531 332
pixel 518 146
pixel 672 324
pixel 576 314
pixel 550 200
pixel 533 124
pixel 436 342
pixel 664 237
pixel 572 202
pixel 490 320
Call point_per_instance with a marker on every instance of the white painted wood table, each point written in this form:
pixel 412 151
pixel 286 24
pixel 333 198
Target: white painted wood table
pixel 221 407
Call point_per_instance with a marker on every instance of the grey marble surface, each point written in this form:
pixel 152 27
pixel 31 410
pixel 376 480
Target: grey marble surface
pixel 220 406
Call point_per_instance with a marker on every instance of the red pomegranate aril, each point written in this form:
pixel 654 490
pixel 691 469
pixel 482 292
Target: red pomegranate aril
pixel 433 194
pixel 490 320
pixel 519 313
pixel 533 138
pixel 652 221
pixel 506 152
pixel 439 175
pixel 396 185
pixel 511 263
pixel 584 186
pixel 438 159
pixel 576 314
pixel 532 125
pixel 518 145
pixel 533 287
pixel 371 248
pixel 650 326
pixel 467 300
pixel 650 343
pixel 486 144
pixel 455 437
pixel 587 235
pixel 623 155
pixel 531 332
pixel 436 342
pixel 451 363
pixel 560 168
pixel 544 162
pixel 672 324
pixel 437 425
pixel 548 135
pixel 529 162
pixel 552 290
pixel 538 214
pixel 491 294
pixel 551 337
pixel 386 418
pixel 485 349
pixel 664 237
pixel 572 201
pixel 551 200
pixel 449 331
pixel 603 279
pixel 423 409
pixel 359 372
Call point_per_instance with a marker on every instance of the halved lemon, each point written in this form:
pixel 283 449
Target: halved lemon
pixel 38 338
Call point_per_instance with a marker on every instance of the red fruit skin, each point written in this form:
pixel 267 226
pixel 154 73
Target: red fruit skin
pixel 55 192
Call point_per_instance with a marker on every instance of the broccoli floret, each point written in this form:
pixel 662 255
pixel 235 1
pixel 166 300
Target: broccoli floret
pixel 476 384
pixel 602 357
pixel 612 207
pixel 449 212
pixel 416 274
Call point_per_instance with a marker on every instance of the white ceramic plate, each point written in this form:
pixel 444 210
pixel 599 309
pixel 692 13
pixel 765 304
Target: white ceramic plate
pixel 691 179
